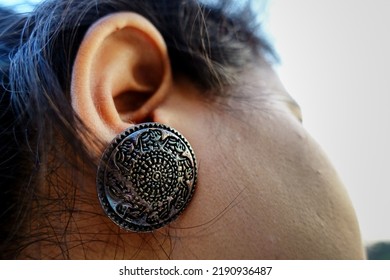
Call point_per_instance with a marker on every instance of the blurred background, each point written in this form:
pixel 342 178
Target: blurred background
pixel 335 61
pixel 336 64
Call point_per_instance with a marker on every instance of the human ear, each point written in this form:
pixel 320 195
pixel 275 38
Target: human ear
pixel 121 74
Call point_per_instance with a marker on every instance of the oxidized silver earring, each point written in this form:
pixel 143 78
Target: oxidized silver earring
pixel 146 177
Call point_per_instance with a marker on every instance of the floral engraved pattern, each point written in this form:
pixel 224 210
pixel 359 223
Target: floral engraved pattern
pixel 146 177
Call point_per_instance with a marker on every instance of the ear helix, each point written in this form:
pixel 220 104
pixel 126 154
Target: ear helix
pixel 146 177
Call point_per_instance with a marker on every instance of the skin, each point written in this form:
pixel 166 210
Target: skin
pixel 265 188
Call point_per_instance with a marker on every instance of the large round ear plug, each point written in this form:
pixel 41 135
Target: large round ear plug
pixel 146 177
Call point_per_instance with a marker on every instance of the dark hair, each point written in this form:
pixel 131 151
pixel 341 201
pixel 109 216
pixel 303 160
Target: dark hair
pixel 208 44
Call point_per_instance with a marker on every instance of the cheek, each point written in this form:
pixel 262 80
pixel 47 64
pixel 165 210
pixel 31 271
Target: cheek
pixel 267 191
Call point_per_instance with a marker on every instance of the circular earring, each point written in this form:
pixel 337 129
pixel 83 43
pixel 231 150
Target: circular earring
pixel 146 177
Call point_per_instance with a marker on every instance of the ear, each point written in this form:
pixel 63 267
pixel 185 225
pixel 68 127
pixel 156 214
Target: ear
pixel 121 74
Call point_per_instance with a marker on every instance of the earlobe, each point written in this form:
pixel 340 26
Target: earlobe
pixel 120 75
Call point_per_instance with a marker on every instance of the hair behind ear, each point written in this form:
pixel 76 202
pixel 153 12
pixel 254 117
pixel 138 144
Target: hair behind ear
pixel 11 167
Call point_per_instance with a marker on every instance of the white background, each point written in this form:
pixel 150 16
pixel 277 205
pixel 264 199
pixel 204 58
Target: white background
pixel 281 270
pixel 335 63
